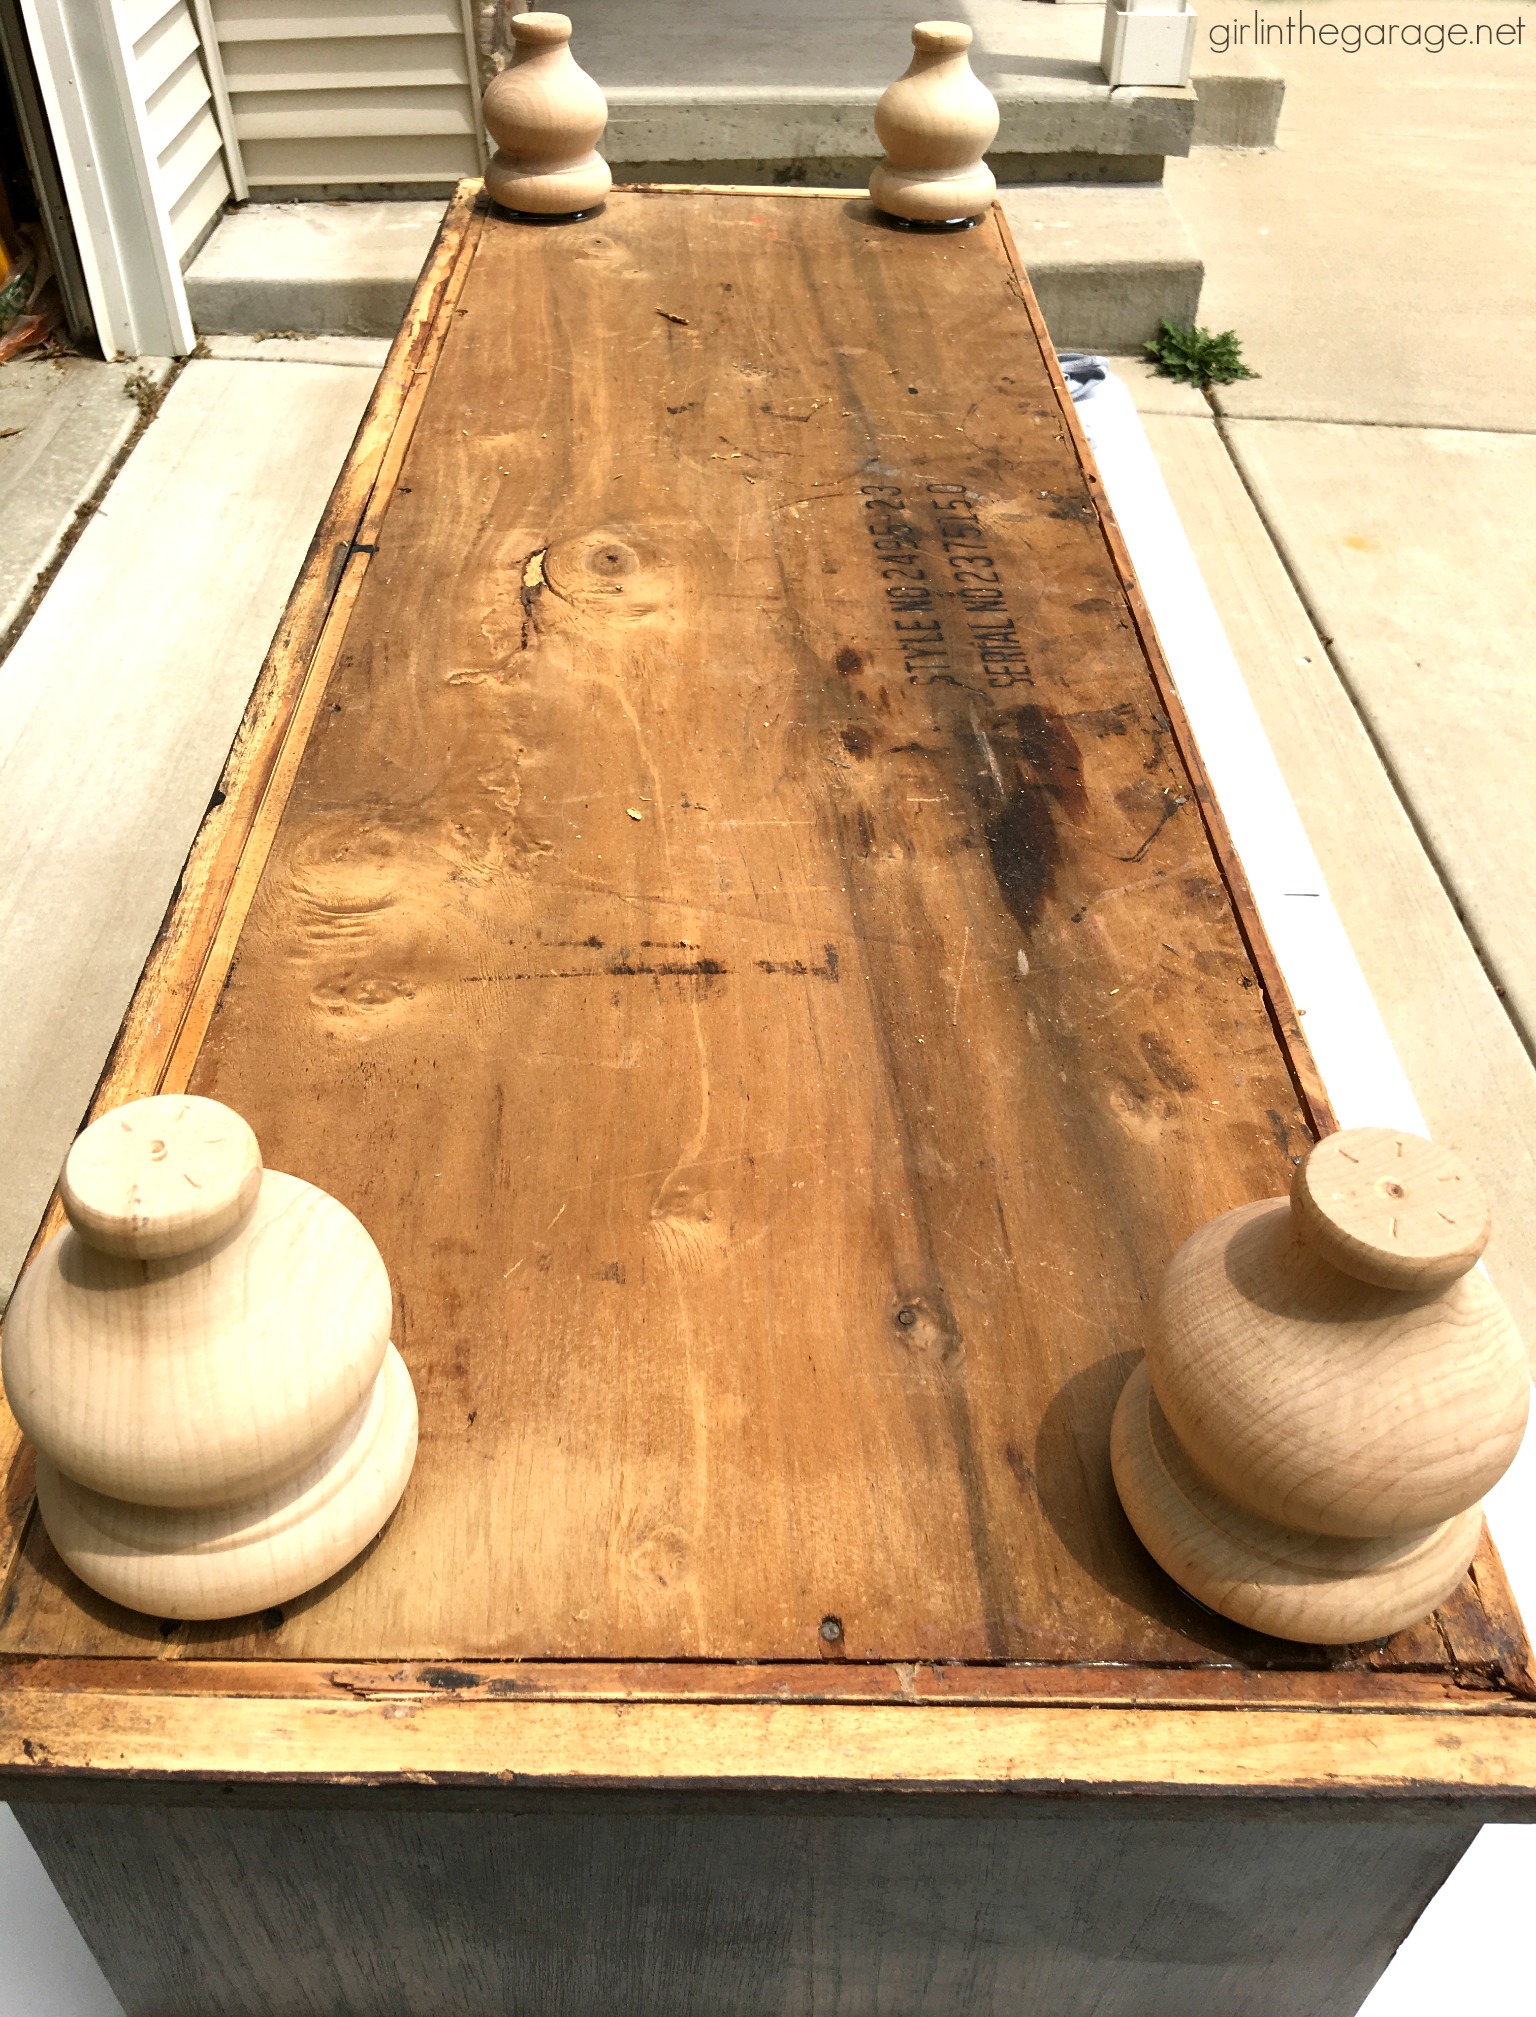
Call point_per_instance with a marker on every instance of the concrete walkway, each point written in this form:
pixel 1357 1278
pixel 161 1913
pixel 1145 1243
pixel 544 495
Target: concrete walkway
pixel 63 423
pixel 118 705
pixel 1478 1090
pixel 1380 268
pixel 1379 263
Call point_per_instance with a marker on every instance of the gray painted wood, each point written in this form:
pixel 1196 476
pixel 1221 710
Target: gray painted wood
pixel 48 1970
pixel 1081 1909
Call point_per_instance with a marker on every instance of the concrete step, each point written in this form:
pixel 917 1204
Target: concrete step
pixel 1238 99
pixel 786 93
pixel 1051 130
pixel 724 95
pixel 786 96
pixel 1107 262
pixel 745 93
pixel 311 269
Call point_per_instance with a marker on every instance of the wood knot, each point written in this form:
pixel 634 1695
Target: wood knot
pixel 604 574
pixel 612 559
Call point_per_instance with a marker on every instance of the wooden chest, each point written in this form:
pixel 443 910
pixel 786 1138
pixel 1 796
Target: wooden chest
pixel 715 875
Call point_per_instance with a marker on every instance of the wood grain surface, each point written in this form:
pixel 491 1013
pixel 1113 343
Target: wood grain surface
pixel 307 1749
pixel 223 1561
pixel 1324 1403
pixel 202 1379
pixel 743 939
pixel 1391 1208
pixel 1322 1588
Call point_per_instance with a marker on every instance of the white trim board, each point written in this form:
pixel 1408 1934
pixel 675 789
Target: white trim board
pixel 213 63
pixel 110 170
pixel 1344 1027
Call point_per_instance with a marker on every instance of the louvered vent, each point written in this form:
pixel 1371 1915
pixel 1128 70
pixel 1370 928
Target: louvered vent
pixel 340 93
pixel 178 108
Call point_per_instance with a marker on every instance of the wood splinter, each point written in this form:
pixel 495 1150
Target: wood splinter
pixel 203 1362
pixel 1328 1391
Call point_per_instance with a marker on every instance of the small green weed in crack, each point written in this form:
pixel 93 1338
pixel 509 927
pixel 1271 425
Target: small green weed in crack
pixel 1196 357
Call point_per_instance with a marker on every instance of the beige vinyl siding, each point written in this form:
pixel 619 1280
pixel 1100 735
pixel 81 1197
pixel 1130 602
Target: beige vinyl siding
pixel 179 115
pixel 342 92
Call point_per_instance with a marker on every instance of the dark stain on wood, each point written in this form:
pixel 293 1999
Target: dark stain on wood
pixel 1022 844
pixel 1164 1066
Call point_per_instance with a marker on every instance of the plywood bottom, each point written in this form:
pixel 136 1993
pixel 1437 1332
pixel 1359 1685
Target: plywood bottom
pixel 782 1029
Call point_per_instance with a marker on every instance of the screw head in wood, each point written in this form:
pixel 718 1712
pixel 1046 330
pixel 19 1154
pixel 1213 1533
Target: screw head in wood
pixel 161 1176
pixel 1390 1208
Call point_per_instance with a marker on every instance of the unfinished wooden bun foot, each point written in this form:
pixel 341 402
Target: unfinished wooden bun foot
pixel 1326 1589
pixel 203 1362
pixel 225 1561
pixel 935 123
pixel 546 116
pixel 1328 1392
